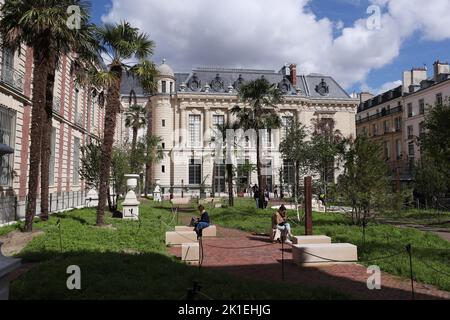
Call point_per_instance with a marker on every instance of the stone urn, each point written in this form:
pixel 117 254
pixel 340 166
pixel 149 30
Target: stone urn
pixel 157 196
pixel 131 203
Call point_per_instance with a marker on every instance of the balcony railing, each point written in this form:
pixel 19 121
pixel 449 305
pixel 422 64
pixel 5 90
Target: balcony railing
pixel 12 78
pixel 380 115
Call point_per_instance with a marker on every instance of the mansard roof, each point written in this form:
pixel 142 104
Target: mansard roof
pixel 207 80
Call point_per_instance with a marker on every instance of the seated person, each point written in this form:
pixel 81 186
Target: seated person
pixel 201 223
pixel 279 221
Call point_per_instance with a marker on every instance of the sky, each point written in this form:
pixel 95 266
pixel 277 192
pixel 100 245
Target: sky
pixel 364 44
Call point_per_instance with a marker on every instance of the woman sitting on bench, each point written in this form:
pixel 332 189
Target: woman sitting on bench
pixel 279 222
pixel 202 222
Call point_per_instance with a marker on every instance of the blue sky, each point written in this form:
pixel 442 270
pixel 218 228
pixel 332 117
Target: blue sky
pixel 409 49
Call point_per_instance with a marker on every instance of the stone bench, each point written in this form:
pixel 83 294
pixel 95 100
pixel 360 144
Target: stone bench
pixel 311 240
pixel 7 265
pixel 181 201
pixel 190 253
pixel 178 238
pixel 310 255
pixel 209 232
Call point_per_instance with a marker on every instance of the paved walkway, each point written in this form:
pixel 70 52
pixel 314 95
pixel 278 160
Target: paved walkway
pixel 263 262
pixel 444 233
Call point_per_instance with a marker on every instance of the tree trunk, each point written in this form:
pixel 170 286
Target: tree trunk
pixel 258 169
pixel 112 108
pixel 133 151
pixel 46 139
pixel 230 185
pixel 38 101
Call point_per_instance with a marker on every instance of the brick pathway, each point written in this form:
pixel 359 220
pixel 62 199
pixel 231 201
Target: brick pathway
pixel 264 263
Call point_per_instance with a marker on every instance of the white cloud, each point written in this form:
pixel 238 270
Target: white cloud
pixel 269 33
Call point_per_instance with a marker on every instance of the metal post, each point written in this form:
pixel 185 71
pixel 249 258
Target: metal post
pixel 282 259
pixel 308 207
pixel 409 250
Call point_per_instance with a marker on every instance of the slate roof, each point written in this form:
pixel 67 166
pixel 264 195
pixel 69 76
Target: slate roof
pixel 308 84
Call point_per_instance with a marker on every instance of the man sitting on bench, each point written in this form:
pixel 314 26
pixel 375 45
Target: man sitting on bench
pixel 279 222
pixel 200 223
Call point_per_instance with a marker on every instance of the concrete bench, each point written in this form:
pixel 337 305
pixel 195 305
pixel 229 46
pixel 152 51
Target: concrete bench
pixel 209 232
pixel 321 254
pixel 311 240
pixel 190 253
pixel 178 238
pixel 181 201
pixel 7 265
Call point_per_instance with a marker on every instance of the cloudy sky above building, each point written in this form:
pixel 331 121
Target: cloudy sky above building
pixel 342 38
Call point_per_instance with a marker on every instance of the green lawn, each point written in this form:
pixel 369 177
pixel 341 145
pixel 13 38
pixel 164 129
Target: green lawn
pixel 421 217
pixel 129 262
pixel 381 240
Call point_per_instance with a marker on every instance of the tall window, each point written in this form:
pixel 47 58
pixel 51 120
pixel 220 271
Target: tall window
pixel 387 150
pixel 164 86
pixel 195 172
pixel 7 66
pixel 288 172
pixel 267 173
pixel 219 177
pixel 76 161
pixel 267 138
pixel 375 129
pixel 410 110
pixel 51 178
pixel 387 126
pixel 243 175
pixel 410 132
pixel 286 125
pixel 421 106
pixel 398 124
pixel 6 137
pixel 93 114
pixel 195 130
pixel 398 146
pixel 411 150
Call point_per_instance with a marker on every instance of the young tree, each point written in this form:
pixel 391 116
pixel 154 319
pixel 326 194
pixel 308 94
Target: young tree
pixel 260 99
pixel 136 119
pixel 435 142
pixel 364 182
pixel 326 144
pixel 430 181
pixel 90 164
pixel 42 26
pixel 120 42
pixel 296 149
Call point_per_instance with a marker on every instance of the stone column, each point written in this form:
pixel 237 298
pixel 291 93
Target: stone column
pixel 183 127
pixel 207 130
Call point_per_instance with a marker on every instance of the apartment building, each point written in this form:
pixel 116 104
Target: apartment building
pixel 396 117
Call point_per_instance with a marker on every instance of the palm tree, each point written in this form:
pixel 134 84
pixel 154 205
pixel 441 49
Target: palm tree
pixel 136 118
pixel 42 26
pixel 153 153
pixel 223 129
pixel 260 99
pixel 120 42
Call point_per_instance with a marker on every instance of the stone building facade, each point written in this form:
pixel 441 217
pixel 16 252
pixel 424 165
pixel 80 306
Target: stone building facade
pixel 188 106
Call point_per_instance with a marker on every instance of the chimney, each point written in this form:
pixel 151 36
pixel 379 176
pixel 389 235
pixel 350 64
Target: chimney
pixel 440 68
pixel 413 78
pixel 293 68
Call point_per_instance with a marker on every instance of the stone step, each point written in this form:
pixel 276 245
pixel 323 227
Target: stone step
pixel 209 232
pixel 311 240
pixel 178 238
pixel 311 255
